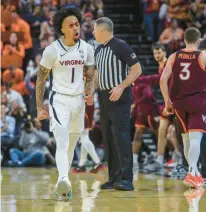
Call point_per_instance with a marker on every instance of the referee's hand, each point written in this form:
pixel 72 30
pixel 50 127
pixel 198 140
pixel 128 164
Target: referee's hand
pixel 116 93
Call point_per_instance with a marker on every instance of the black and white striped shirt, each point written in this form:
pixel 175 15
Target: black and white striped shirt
pixel 113 61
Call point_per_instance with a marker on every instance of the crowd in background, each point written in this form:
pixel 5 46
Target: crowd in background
pixel 172 17
pixel 27 29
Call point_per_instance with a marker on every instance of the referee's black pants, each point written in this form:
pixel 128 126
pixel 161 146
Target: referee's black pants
pixel 115 125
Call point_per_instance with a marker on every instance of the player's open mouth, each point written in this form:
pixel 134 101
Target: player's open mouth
pixel 76 34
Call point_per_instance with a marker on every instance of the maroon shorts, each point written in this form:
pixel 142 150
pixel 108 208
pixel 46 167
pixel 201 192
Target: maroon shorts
pixel 191 113
pixel 147 121
pixel 89 113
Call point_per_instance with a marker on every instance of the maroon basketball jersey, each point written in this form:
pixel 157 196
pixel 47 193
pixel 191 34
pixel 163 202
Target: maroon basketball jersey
pixel 188 77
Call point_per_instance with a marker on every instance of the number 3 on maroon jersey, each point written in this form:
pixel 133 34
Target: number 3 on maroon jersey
pixel 185 73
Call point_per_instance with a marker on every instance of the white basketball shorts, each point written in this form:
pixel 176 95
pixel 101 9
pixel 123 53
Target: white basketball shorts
pixel 67 112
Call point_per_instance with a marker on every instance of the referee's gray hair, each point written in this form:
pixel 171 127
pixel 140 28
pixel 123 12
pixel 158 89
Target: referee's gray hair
pixel 108 24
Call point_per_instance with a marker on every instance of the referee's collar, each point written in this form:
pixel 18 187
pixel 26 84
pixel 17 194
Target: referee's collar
pixel 104 44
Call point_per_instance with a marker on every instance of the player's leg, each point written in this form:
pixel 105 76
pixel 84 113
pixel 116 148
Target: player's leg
pixel 60 124
pixel 137 144
pixel 190 122
pixel 162 136
pixel 90 148
pixel 73 138
pixel 140 125
pixel 82 161
pixel 194 152
pixel 172 137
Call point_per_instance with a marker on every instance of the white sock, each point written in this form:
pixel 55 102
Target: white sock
pixel 62 145
pixel 83 156
pixel 160 159
pixel 73 138
pixel 89 146
pixel 186 144
pixel 135 158
pixel 194 150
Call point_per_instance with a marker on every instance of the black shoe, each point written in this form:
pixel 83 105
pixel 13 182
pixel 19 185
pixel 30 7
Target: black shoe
pixel 107 185
pixel 97 168
pixel 79 169
pixel 124 185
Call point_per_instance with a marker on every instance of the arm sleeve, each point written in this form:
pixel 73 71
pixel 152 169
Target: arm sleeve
pixel 90 55
pixel 127 54
pixel 49 57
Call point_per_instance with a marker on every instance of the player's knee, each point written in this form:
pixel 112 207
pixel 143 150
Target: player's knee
pixel 139 133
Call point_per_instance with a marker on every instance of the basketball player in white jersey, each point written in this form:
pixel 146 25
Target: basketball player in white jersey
pixel 64 60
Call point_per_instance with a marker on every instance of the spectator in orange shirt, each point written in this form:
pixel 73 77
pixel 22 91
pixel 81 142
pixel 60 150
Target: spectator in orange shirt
pixel 14 47
pixel 13 75
pixel 19 25
pixel 172 36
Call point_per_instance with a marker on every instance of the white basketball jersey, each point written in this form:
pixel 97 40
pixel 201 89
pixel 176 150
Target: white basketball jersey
pixel 67 72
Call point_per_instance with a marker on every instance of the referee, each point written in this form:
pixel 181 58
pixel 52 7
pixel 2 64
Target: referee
pixel 117 67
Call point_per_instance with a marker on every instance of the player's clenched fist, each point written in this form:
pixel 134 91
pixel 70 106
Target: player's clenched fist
pixel 42 114
pixel 89 100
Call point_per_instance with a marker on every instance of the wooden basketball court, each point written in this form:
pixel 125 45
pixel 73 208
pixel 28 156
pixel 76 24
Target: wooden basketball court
pixel 31 190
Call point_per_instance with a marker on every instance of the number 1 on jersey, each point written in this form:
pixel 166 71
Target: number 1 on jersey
pixel 72 75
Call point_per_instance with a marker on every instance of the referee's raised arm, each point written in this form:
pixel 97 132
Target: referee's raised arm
pixel 117 67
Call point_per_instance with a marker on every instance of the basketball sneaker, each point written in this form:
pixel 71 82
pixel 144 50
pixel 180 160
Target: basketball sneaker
pixel 201 180
pixel 157 166
pixel 63 189
pixel 192 181
pixel 79 169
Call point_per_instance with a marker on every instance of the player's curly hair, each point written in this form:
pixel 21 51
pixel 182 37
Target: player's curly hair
pixel 62 14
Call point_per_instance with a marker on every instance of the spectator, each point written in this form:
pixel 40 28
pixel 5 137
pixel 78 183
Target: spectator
pixel 33 142
pixel 14 47
pixel 87 27
pixel 14 97
pixel 69 3
pixel 89 6
pixel 33 67
pixel 172 36
pixel 100 8
pixel 19 25
pixel 7 124
pixel 35 19
pixel 13 75
pixel 151 9
pixel 179 9
pixel 47 26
